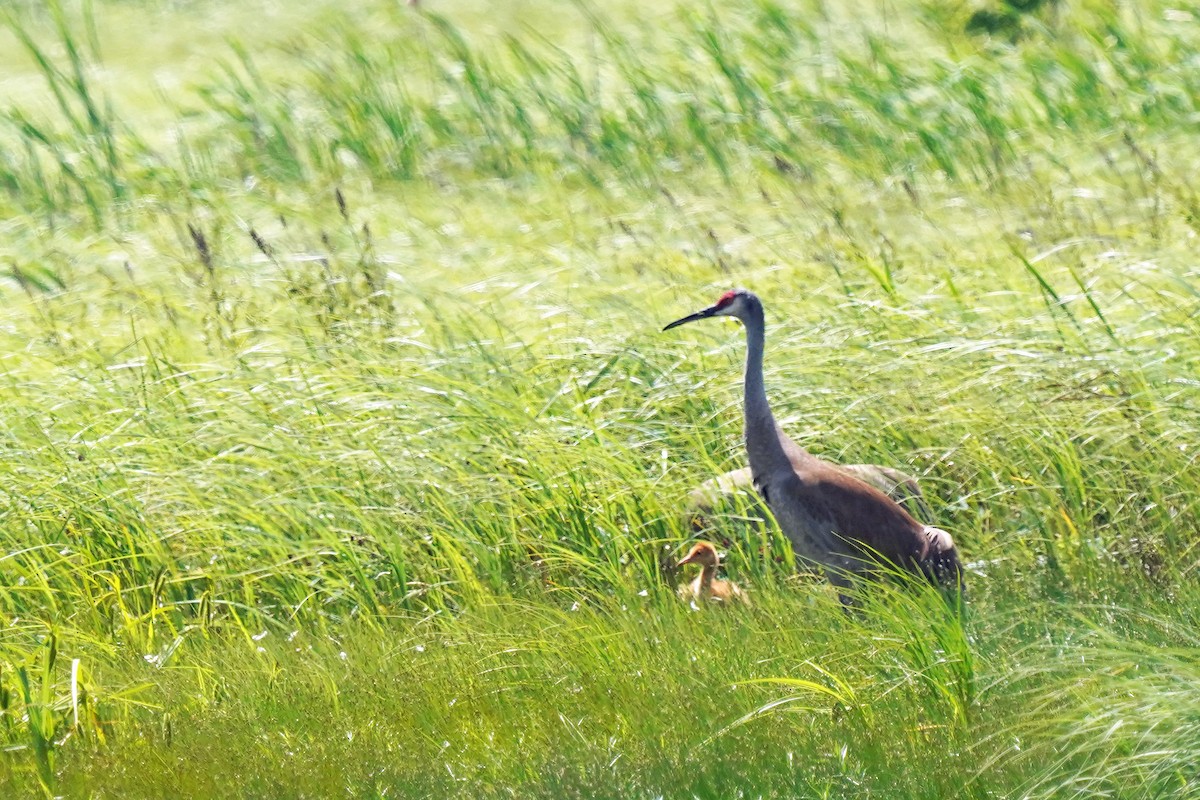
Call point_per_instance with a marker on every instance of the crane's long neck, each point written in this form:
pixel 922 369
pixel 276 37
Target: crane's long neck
pixel 763 446
pixel 707 574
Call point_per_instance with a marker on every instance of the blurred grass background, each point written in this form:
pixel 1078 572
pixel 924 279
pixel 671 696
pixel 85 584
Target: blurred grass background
pixel 342 453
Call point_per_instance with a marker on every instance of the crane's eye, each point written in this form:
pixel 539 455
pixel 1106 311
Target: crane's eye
pixel 726 299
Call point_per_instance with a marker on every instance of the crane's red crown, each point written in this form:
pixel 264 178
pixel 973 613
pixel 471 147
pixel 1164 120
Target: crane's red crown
pixel 726 299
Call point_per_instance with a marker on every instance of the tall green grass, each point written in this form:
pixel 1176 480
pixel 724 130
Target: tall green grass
pixel 342 454
pixel 758 85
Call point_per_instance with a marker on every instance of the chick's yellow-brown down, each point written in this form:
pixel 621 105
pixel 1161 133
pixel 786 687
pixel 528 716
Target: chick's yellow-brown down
pixel 707 586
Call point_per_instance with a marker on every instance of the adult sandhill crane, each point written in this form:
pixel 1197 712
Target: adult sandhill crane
pixel 833 519
pixel 707 586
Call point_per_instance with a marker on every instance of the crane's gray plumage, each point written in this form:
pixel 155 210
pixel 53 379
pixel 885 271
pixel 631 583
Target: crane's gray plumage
pixel 710 499
pixel 832 518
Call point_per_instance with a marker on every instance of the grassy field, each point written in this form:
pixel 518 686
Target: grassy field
pixel 342 454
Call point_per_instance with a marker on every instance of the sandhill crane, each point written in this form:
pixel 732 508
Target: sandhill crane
pixel 833 519
pixel 707 586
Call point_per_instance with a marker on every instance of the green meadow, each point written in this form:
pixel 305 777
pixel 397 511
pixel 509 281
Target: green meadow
pixel 343 456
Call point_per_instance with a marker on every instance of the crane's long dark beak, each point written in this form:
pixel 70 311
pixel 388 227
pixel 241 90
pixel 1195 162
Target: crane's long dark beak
pixel 708 312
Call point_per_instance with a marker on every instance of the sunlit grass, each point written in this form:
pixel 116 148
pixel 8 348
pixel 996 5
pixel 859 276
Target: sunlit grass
pixel 342 454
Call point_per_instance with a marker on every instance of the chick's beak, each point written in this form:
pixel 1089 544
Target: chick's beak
pixel 708 312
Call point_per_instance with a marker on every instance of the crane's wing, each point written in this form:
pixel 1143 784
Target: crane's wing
pixel 842 520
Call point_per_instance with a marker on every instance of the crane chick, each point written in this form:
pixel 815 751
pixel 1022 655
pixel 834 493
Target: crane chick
pixel 706 585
